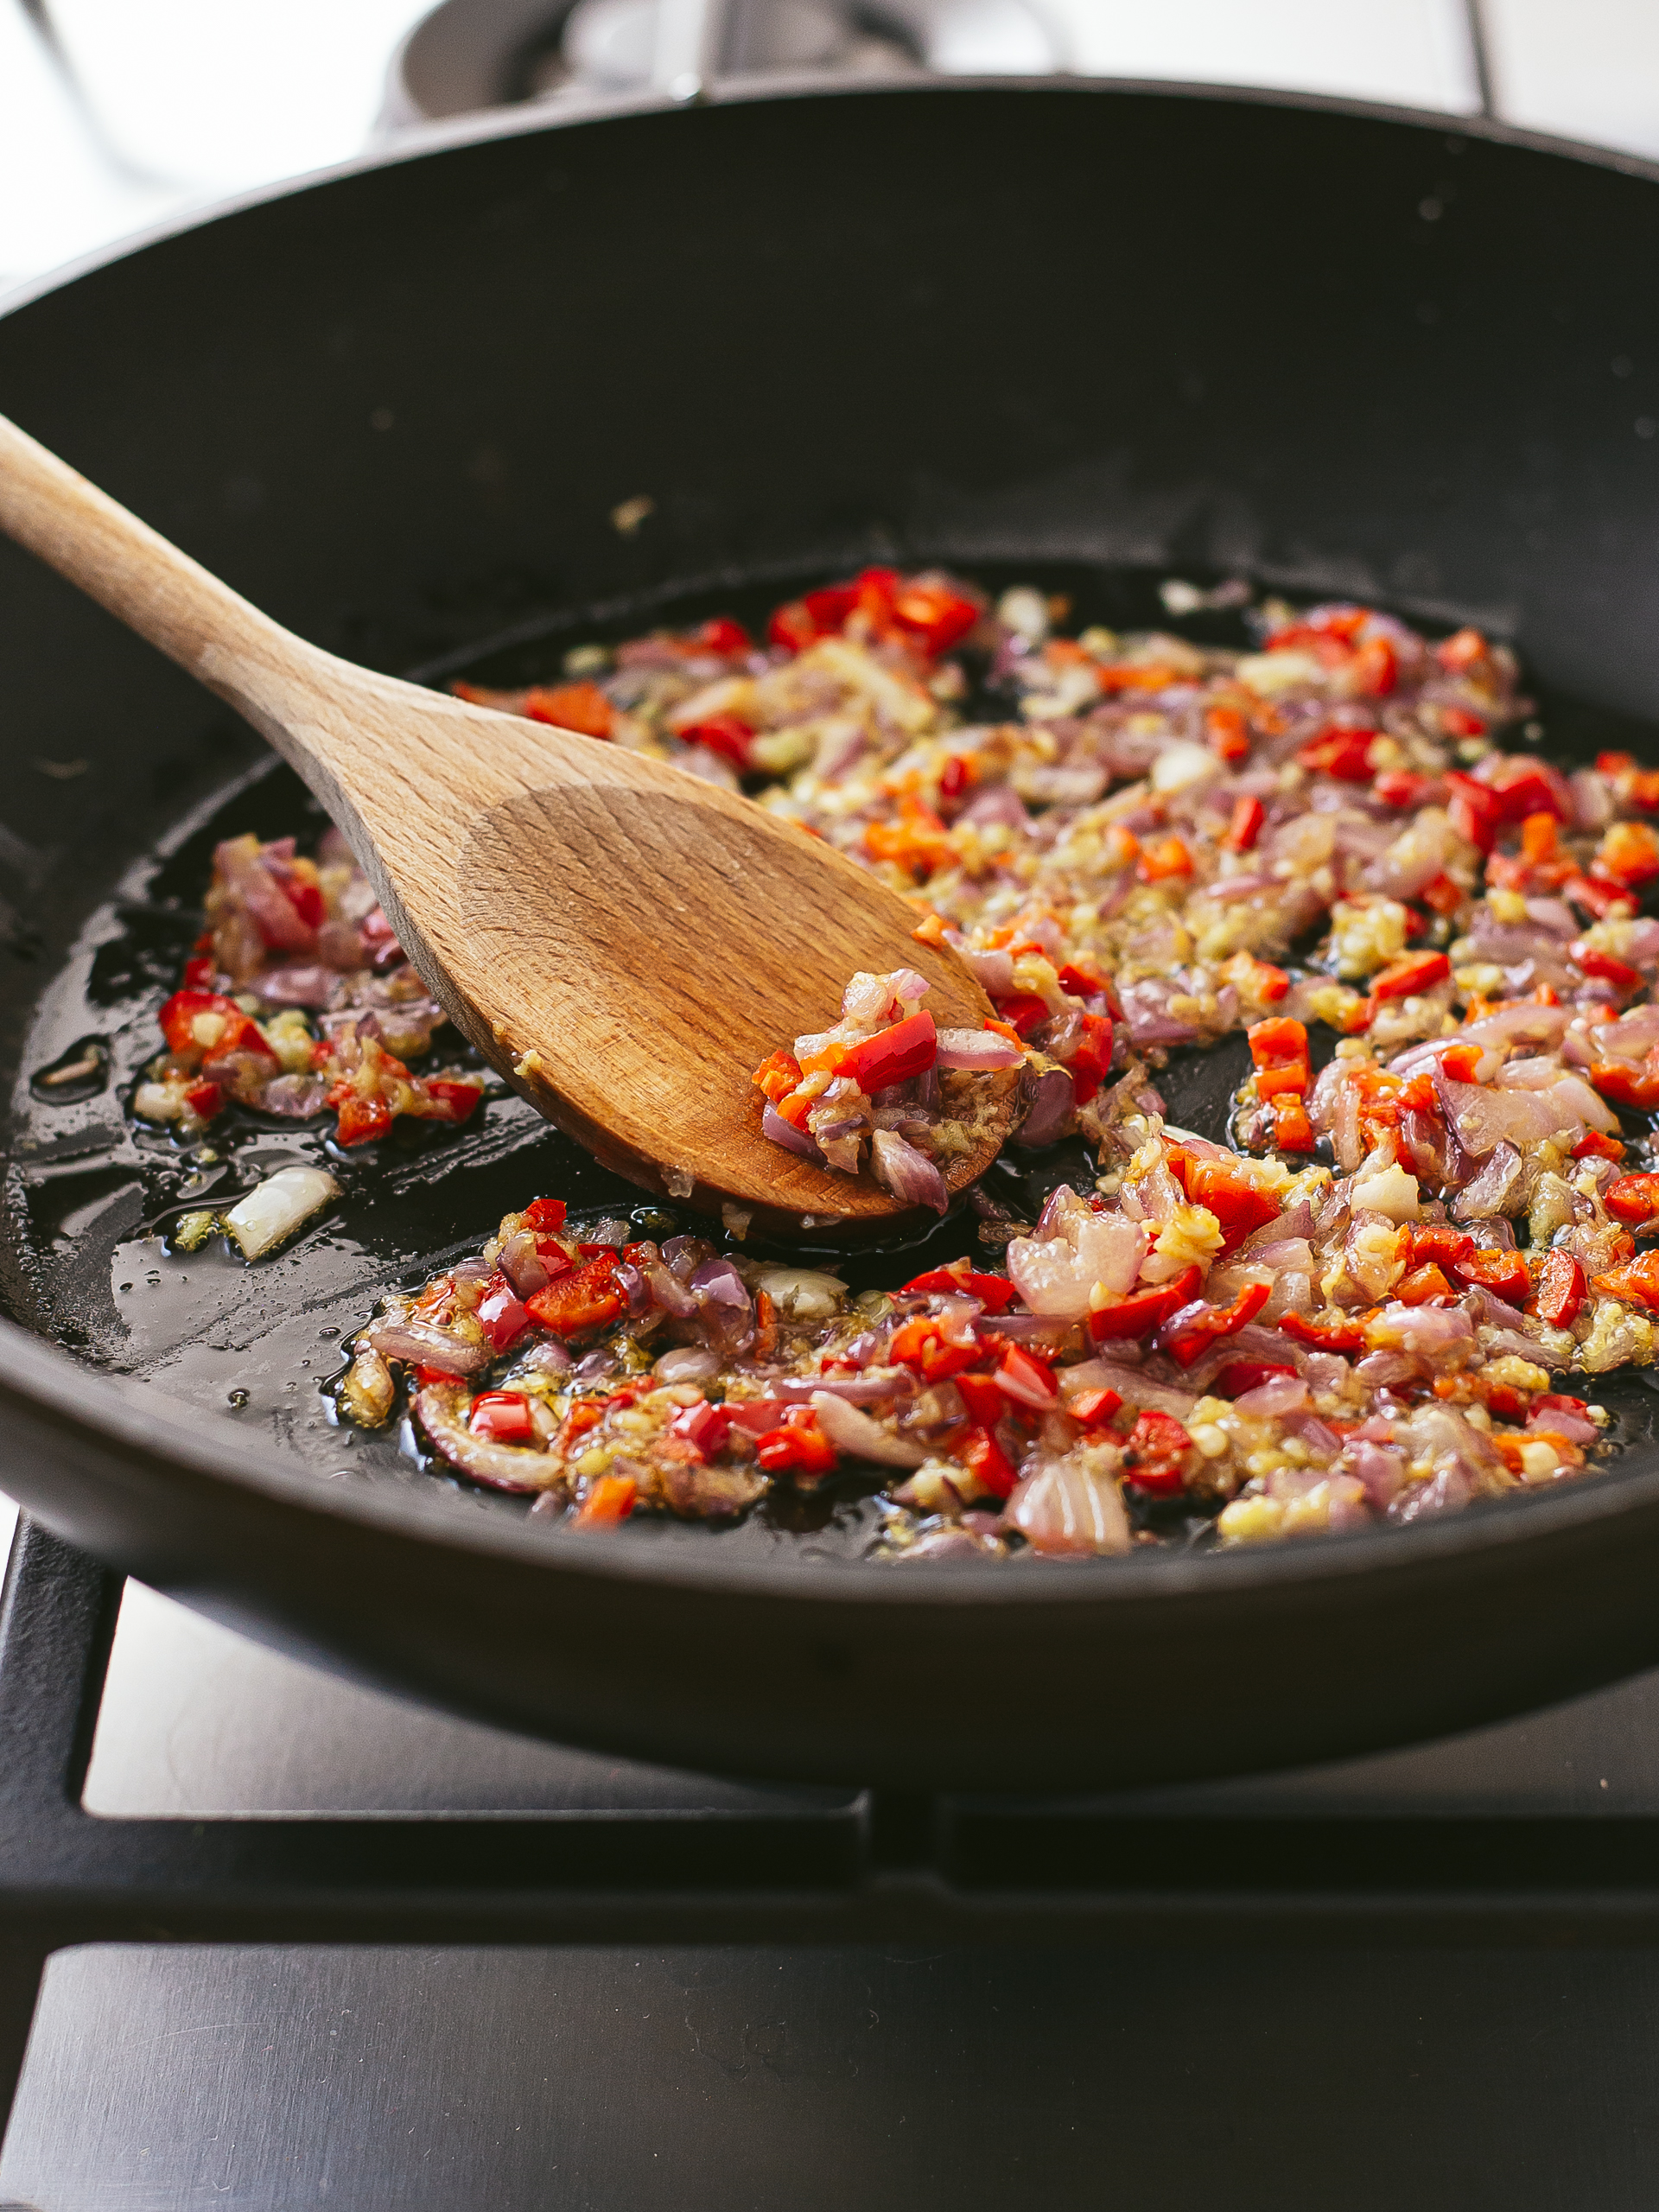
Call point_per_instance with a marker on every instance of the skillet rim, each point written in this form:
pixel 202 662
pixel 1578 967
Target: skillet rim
pixel 139 1422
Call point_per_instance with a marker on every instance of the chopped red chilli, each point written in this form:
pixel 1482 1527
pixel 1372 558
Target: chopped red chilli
pixel 1382 1301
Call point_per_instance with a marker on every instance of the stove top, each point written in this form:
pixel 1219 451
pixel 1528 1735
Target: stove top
pixel 296 1943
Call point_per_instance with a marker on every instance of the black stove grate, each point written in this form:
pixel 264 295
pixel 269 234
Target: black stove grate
pixel 875 1868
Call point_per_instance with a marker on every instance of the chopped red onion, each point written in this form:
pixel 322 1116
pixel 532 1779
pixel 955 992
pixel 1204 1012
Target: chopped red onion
pixel 980 1049
pixel 993 971
pixel 909 1174
pixel 309 985
pixel 1063 1511
pixel 857 1390
pixel 859 1437
pixel 669 1292
pixel 687 1363
pixel 1280 1394
pixel 295 1098
pixel 1556 1421
pixel 424 1344
pixel 522 1264
pixel 1498 1183
pixel 501 1466
pixel 784 1133
pixel 1050 1102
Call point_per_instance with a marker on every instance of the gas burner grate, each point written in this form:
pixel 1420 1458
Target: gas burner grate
pixel 778 1868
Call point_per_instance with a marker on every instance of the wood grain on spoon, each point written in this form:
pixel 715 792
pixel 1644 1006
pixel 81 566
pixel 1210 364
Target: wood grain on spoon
pixel 624 941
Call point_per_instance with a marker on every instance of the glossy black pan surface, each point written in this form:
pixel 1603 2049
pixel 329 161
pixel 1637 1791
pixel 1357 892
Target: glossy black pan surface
pixel 1099 332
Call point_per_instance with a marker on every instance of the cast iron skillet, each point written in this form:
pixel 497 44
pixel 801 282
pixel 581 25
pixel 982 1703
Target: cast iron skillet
pixel 1101 328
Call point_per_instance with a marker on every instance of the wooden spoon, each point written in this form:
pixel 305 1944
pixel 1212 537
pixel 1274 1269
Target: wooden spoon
pixel 624 941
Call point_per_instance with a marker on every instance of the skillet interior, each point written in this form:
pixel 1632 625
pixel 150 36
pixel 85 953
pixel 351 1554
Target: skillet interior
pixel 1149 332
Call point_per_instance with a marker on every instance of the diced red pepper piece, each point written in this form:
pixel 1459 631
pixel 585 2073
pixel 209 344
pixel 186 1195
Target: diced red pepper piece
pixel 1292 1130
pixel 958 1279
pixel 1592 1145
pixel 501 1313
pixel 503 1416
pixel 1377 668
pixel 1020 1012
pixel 1421 1284
pixel 1464 649
pixel 1629 854
pixel 777 1075
pixel 1142 1311
pixel 1343 754
pixel 205 1098
pixel 1027 1381
pixel 1277 1042
pixel 581 707
pixel 1633 1198
pixel 985 1402
pixel 306 899
pixel 1279 1050
pixel 1626 1086
pixel 728 735
pixel 1288 1077
pixel 544 1216
pixel 1168 857
pixel 1084 977
pixel 1592 961
pixel 1504 1400
pixel 1242 1374
pixel 1400 786
pixel 1522 787
pixel 1229 736
pixel 1091 1056
pixel 1600 896
pixel 721 635
pixel 1154 1451
pixel 1256 979
pixel 1458 721
pixel 704 1426
pixel 1561 1290
pixel 1092 1407
pixel 584 1300
pixel 1636 1282
pixel 1339 1335
pixel 796 1450
pixel 1249 815
pixel 892 1055
pixel 1187 1334
pixel 362 1120
pixel 984 1456
pixel 204 1023
pixel 1227 1190
pixel 610 1498
pixel 1460 1062
pixel 922 1347
pixel 935 616
pixel 1417 972
pixel 456 1100
pixel 1474 811
pixel 1504 1274
pixel 1438 1241
pixel 1556 1402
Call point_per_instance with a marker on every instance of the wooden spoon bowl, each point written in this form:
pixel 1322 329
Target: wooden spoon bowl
pixel 623 941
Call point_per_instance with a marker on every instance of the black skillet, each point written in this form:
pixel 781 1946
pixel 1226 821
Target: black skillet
pixel 1088 333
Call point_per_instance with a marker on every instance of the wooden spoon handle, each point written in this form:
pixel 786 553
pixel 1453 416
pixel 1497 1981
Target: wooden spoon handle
pixel 96 544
